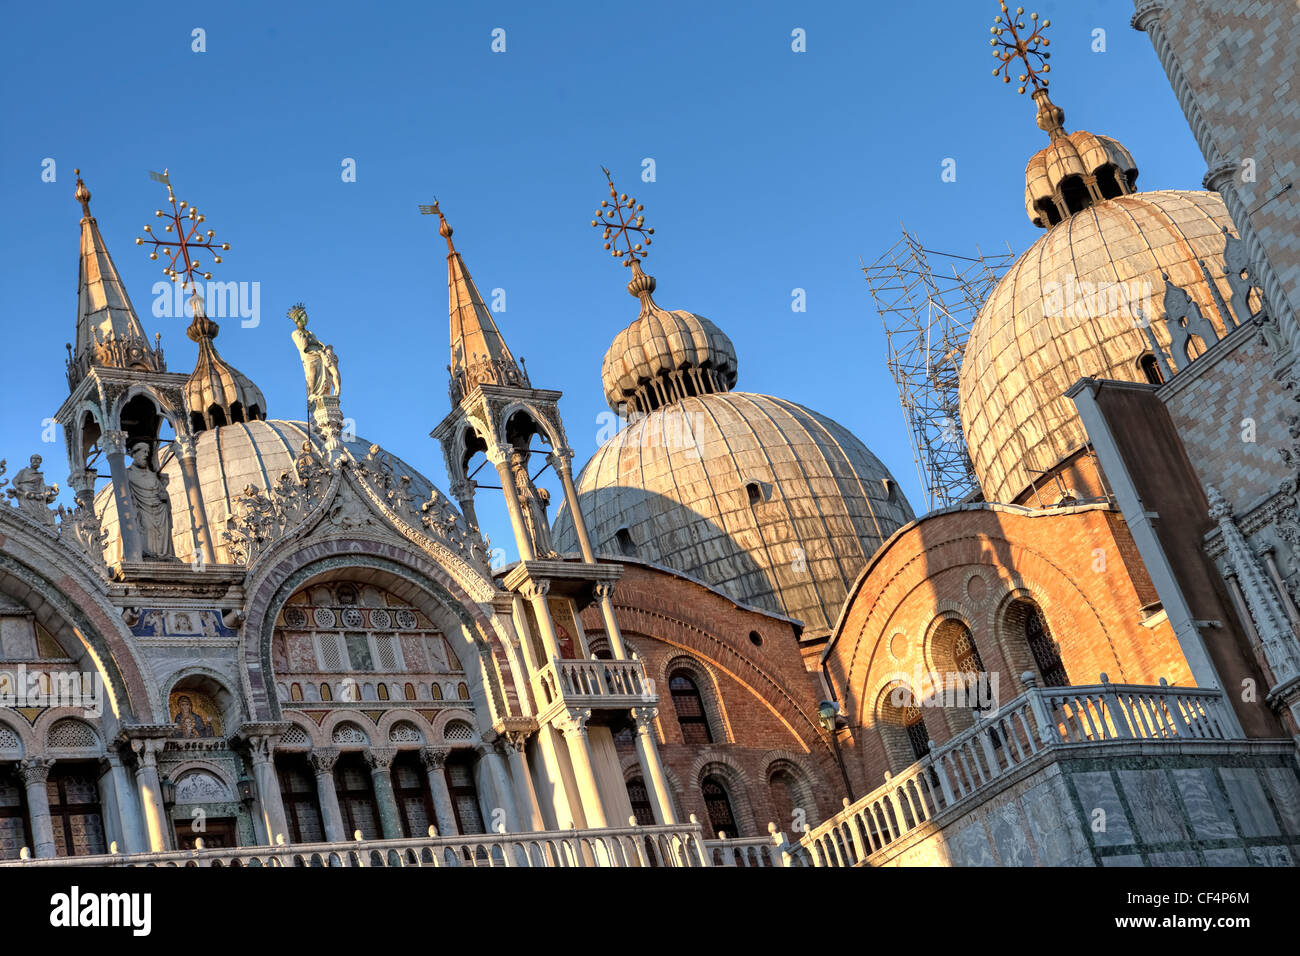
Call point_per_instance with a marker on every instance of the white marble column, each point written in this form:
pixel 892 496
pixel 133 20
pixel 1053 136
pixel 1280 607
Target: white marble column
pixel 647 754
pixel 128 806
pixel 262 749
pixel 323 761
pixel 574 728
pixel 187 453
pixel 150 789
pixel 496 770
pixel 434 760
pixel 530 811
pixel 35 771
pixel 113 441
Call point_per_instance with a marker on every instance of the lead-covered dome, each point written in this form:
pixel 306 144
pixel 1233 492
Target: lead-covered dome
pixel 1072 306
pixel 773 504
pixel 229 459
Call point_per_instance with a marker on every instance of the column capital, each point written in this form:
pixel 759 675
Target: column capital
pixel 145 750
pixel 535 588
pixel 380 759
pixel 1147 11
pixel 603 589
pixel 434 758
pixel 323 759
pixel 113 441
pixel 35 769
pixel 463 489
pixel 644 717
pixel 187 446
pixel 561 459
pixel 516 740
pixel 1219 175
pixel 574 722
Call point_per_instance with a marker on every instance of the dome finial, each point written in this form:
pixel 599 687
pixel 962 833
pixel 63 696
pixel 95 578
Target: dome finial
pixel 619 215
pixel 1011 42
pixel 184 236
pixel 82 195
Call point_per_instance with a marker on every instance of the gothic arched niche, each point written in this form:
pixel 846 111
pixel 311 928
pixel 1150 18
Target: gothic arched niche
pixel 199 706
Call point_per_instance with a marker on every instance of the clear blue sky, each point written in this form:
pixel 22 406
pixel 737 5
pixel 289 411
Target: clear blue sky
pixel 776 170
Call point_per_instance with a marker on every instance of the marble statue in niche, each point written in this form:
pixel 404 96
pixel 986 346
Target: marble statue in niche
pixel 153 506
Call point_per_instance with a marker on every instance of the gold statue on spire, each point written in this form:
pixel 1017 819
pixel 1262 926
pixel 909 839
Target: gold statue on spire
pixel 620 215
pixel 1011 42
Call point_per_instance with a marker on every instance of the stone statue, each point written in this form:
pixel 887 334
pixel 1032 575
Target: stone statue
pixel 532 503
pixel 32 495
pixel 153 506
pixel 320 366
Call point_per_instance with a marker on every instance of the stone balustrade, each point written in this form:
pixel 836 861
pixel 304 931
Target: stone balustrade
pixel 653 846
pixel 594 683
pixel 1039 720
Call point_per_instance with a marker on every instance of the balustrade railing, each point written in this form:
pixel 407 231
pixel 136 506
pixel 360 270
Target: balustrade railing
pixel 1037 720
pixel 594 679
pixel 649 846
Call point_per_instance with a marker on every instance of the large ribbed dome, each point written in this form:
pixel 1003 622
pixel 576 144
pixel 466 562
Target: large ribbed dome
pixel 1064 311
pixel 772 503
pixel 229 459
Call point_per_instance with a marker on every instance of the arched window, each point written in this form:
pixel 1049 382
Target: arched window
pixel 639 796
pixel 1150 369
pixel 464 796
pixel 299 795
pixel 78 822
pixel 917 736
pixel 13 814
pixel 624 543
pixel 411 791
pixel 1047 655
pixel 356 795
pixel 1075 193
pixel 783 792
pixel 717 804
pixel 218 415
pixel 688 704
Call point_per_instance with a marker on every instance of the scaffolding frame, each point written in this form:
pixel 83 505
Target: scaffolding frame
pixel 927 315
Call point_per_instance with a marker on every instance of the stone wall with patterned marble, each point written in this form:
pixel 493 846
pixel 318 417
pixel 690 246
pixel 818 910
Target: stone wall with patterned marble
pixel 1145 808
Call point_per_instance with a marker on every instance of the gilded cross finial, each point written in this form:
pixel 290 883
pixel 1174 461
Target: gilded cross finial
pixel 620 215
pixel 82 194
pixel 444 227
pixel 185 223
pixel 1011 42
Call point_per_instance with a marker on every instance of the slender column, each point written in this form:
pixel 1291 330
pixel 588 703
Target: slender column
pixel 522 541
pixel 1239 604
pixel 516 747
pixel 323 761
pixel 604 593
pixel 108 804
pixel 434 760
pixel 574 728
pixel 535 592
pixel 114 445
pixel 647 754
pixel 562 461
pixel 262 749
pixel 1270 560
pixel 496 768
pixel 463 492
pixel 381 764
pixel 150 789
pixel 187 453
pixel 35 771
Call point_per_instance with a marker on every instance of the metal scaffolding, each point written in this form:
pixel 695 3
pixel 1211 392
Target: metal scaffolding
pixel 927 315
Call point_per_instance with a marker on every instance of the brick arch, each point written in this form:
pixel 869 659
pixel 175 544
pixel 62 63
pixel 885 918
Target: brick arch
pixel 83 622
pixel 739 786
pixel 800 720
pixel 776 761
pixel 412 576
pixel 888 722
pixel 710 694
pixel 631 767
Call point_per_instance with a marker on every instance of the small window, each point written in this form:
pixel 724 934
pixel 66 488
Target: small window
pixel 236 412
pixel 717 804
pixel 1150 369
pixel 218 416
pixel 688 703
pixel 755 492
pixel 917 734
pixel 756 638
pixel 1075 193
pixel 639 796
pixel 623 540
pixel 891 489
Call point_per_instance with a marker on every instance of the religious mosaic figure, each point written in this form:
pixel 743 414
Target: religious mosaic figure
pixel 32 495
pixel 153 506
pixel 187 722
pixel 320 366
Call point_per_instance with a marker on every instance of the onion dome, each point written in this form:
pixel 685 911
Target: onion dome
pixel 1073 171
pixel 217 393
pixel 665 356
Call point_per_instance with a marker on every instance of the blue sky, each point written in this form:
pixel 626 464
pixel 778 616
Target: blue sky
pixel 775 170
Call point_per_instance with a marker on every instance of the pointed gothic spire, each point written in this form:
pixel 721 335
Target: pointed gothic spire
pixel 479 354
pixel 217 393
pixel 108 331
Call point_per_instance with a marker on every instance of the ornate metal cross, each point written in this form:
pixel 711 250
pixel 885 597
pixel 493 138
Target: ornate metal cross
pixel 185 223
pixel 620 215
pixel 1011 42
